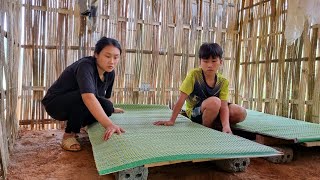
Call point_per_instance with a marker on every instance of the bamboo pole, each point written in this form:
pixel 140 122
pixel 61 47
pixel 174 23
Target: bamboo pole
pixel 238 53
pixel 311 73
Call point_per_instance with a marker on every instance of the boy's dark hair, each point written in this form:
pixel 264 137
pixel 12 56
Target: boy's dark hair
pixel 210 49
pixel 104 41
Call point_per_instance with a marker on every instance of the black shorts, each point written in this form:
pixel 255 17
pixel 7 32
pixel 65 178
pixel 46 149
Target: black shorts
pixel 198 118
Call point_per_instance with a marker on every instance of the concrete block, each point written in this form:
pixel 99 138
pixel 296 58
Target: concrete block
pixel 137 173
pixel 233 165
pixel 285 158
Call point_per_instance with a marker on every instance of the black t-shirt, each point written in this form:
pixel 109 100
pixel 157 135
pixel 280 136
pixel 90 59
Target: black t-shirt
pixel 81 76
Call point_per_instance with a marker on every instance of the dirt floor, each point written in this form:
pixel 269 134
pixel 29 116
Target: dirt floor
pixel 37 155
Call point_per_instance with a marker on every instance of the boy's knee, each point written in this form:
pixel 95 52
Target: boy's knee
pixel 244 114
pixel 212 103
pixel 237 114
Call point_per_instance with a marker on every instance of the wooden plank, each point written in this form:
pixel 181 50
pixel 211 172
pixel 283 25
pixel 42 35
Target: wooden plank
pixel 41 121
pixel 65 11
pixel 204 160
pixel 311 144
pixel 163 163
pixel 181 161
pixel 267 140
pixel 178 161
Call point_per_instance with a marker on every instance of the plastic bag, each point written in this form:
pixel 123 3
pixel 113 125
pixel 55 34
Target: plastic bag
pixel 300 11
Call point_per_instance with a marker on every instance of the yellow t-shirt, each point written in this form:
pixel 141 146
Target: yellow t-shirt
pixel 195 86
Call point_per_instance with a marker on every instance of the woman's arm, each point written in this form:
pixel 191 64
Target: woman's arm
pixel 98 113
pixel 95 109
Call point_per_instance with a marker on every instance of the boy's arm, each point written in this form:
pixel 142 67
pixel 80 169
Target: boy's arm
pixel 176 110
pixel 224 116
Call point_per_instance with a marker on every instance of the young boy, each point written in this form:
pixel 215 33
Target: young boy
pixel 206 92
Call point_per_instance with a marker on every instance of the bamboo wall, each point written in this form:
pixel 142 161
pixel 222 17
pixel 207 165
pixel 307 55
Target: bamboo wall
pixel 9 64
pixel 160 41
pixel 274 77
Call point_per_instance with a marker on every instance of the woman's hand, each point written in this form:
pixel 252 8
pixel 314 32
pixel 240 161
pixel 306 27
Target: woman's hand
pixel 112 129
pixel 164 123
pixel 118 110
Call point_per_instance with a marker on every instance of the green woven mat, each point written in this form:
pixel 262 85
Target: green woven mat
pixel 280 127
pixel 144 143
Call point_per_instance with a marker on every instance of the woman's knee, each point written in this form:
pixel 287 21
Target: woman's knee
pixel 106 105
pixel 56 112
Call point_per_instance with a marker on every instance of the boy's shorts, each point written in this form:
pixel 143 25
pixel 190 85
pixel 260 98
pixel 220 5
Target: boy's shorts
pixel 196 116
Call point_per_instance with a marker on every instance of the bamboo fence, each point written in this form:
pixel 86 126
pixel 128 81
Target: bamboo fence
pixel 160 41
pixel 271 76
pixel 9 66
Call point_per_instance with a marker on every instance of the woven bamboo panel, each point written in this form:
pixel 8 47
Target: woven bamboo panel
pixel 273 77
pixel 160 41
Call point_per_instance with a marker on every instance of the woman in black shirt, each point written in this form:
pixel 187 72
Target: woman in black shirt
pixel 82 93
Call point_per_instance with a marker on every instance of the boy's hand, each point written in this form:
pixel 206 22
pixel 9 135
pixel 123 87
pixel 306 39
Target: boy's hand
pixel 226 130
pixel 118 110
pixel 112 129
pixel 164 123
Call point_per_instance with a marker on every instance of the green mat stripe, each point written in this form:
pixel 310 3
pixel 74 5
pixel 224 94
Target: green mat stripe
pixel 144 143
pixel 280 127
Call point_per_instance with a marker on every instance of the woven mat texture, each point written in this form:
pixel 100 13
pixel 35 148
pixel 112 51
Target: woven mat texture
pixel 280 127
pixel 144 143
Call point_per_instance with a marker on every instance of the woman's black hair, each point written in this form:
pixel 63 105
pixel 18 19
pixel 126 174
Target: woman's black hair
pixel 104 41
pixel 208 50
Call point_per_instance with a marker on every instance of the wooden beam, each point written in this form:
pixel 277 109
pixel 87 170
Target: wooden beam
pixel 179 161
pixel 40 121
pixel 256 4
pixel 277 60
pixel 311 144
pixel 267 140
pixel 204 160
pixel 163 163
